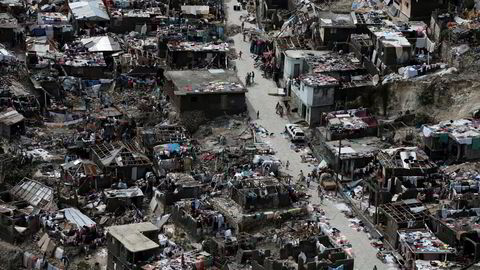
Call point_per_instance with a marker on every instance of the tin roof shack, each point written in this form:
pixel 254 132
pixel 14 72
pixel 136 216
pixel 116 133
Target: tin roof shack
pixel 54 25
pixel 454 140
pixel 405 173
pixel 8 27
pixel 400 215
pixel 131 245
pixel 12 124
pixel 313 94
pixel 213 92
pixel 86 13
pixel 148 138
pixel 19 208
pixel 348 124
pixel 335 29
pixel 83 175
pixel 198 218
pixel 354 154
pixel 392 48
pixel 121 160
pixel 193 55
pixel 121 199
pixel 422 244
pixel 260 193
pixel 459 228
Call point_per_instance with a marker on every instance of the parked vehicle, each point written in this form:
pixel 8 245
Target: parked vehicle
pixel 295 132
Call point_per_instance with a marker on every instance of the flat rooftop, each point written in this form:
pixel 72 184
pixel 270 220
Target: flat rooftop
pixel 198 46
pixel 318 80
pixel 131 237
pixel 305 53
pixel 212 81
pixel 356 148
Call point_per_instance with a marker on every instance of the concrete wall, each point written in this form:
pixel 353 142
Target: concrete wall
pixel 214 104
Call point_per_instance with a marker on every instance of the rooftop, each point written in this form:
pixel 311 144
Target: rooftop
pixel 333 62
pixel 92 10
pixel 403 211
pixel 101 44
pixel 212 81
pixel 119 154
pixel 390 37
pixel 76 217
pixel 329 19
pixel 11 117
pixel 132 238
pixel 356 148
pixel 423 241
pixel 197 46
pixel 405 157
pixel 123 193
pixel 354 119
pixel 305 53
pixel 318 80
pixel 35 193
pixel 463 131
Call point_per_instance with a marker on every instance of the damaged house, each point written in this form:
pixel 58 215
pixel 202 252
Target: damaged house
pixel 122 161
pixel 459 228
pixel 455 140
pixel 193 55
pixel 334 29
pixel 213 92
pixel 347 156
pixel 330 79
pixel 393 217
pixel 12 124
pixel 8 29
pixel 348 124
pixel 404 173
pixel 148 138
pixel 84 175
pixel 131 244
pixel 19 209
pixel 197 218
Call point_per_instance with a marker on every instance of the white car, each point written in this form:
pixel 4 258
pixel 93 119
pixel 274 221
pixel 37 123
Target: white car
pixel 295 132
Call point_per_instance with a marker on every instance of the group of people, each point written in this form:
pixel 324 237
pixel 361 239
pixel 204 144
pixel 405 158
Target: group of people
pixel 250 77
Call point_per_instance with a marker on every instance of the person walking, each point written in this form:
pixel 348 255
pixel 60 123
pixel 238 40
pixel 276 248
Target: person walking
pixel 240 55
pixel 320 194
pixel 301 177
pixel 243 25
pixel 287 164
pixel 309 179
pixel 253 77
pixel 258 114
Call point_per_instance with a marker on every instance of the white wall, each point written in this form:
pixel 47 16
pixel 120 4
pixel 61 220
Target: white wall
pixel 314 97
pixel 288 66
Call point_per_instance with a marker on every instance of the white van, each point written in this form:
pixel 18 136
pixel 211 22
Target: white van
pixel 295 132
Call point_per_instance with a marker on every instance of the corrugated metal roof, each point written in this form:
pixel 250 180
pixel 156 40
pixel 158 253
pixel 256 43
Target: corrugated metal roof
pixel 78 218
pixel 89 11
pixel 35 193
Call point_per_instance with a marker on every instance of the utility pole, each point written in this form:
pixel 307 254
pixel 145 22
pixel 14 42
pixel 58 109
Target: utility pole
pixel 339 166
